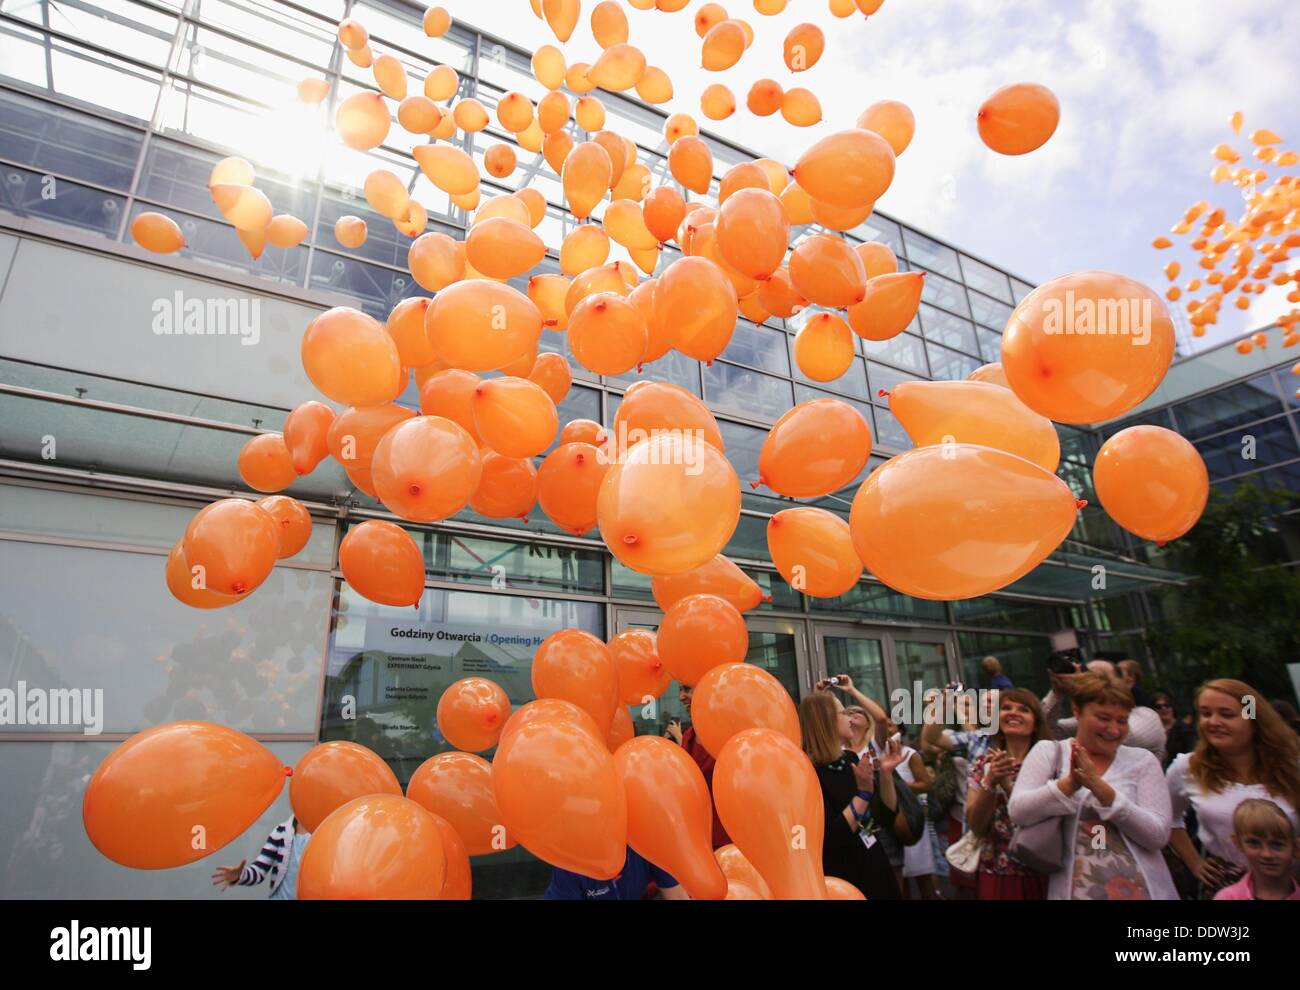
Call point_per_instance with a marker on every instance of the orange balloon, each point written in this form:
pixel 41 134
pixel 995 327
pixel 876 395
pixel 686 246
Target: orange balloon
pixel 587 175
pixel 458 788
pixel 607 334
pixel 553 374
pixel 514 416
pixel 779 296
pixel 583 431
pixel 738 870
pixel 377 847
pixel 825 270
pixel 406 327
pixel 472 712
pixel 459 882
pixel 738 891
pixel 650 407
pixel 447 166
pixel 813 550
pixel 619 67
pixel 691 163
pixel 419 114
pixel 823 347
pixel 765 97
pixel 247 209
pixel 991 373
pixel 549 710
pixel 265 463
pixel 306 432
pixel 286 231
pixel 745 175
pixel 752 232
pixel 144 800
pixel 560 795
pixel 331 774
pixel 503 248
pixel 892 120
pixel 975 412
pixel 292 520
pixel 382 563
pixel 584 248
pixel 815 449
pixel 699 632
pixel 187 587
pixel 507 490
pixel 718 576
pixel 231 547
pixel 890 304
pixel 670 505
pixel 847 168
pixel 641 674
pixel 561 16
pixel 426 468
pixel 723 45
pixel 1152 482
pixel 450 394
pixel 356 432
pixel 1018 118
pixel 839 218
pixel 877 258
pixel 697 302
pixel 350 231
pixel 797 205
pixel 480 325
pixel 733 697
pixel 568 483
pixel 663 211
pixel 957 521
pixel 803 47
pixel 1087 347
pixel 575 666
pixel 386 194
pixel 158 233
pixel 767 793
pixel 717 102
pixel 347 355
pixel 842 890
pixel 362 120
pixel 670 814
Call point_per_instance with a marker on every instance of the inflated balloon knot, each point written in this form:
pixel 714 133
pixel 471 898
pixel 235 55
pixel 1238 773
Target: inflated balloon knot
pixel 413 490
pixel 239 587
pixel 550 323
pixel 579 458
pixel 630 539
pixel 1080 503
pixel 288 771
pixel 639 366
pixel 883 393
pixel 600 306
pixel 756 484
pixel 766 598
pixel 1161 543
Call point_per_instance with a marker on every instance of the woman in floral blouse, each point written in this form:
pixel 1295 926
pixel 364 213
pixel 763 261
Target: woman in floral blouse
pixel 1021 723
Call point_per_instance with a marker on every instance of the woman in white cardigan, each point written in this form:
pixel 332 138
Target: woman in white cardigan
pixel 1110 799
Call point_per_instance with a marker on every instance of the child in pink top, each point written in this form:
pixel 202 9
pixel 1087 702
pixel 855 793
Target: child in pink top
pixel 1266 837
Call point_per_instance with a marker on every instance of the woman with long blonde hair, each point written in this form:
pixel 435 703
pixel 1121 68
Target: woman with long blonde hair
pixel 1244 750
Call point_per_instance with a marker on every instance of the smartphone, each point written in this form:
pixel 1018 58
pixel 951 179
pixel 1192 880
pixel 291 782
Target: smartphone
pixel 1066 661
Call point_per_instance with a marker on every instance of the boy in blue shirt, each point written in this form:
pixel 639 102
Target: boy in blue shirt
pixel 629 885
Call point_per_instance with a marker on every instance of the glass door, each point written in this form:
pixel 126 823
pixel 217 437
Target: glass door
pixel 859 653
pixel 883 660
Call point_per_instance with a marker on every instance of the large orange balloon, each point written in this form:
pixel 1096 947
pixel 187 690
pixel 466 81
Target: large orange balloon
pixel 670 506
pixel 752 231
pixel 507 489
pixel 459 883
pixel 815 449
pixel 648 407
pixel 813 550
pixel 827 271
pixel 889 305
pixel 561 797
pixel 842 890
pixel 427 468
pixel 691 163
pixel 847 168
pixel 779 296
pixel 641 674
pixel 957 521
pixel 265 463
pixel 553 374
pixel 1018 118
pixel 824 347
pixel 698 633
pixel 738 870
pixel 306 432
pixel 975 412
pixel 733 697
pixel 292 520
pixel 234 544
pixel 349 357
pixel 892 120
pixel 174 793
pixel 607 334
pixel 1087 347
pixel 670 814
pixel 723 45
pixel 514 416
pixel 480 325
pixel 503 248
pixel 436 261
pixel 331 774
pixel 803 47
pixel 718 576
pixel 770 803
pixel 381 847
pixel 450 394
pixel 663 211
pixel 568 484
pixel 187 587
pixel 363 120
pixel 382 563
pixel 697 302
pixel 356 432
pixel 458 787
pixel 587 174
pixel 472 712
pixel 575 666
pixel 1152 482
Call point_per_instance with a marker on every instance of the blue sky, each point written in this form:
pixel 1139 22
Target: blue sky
pixel 1146 90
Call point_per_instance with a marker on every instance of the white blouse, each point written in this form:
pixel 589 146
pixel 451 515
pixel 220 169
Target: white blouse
pixel 1214 810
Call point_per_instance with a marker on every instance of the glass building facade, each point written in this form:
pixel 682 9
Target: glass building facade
pixel 113 436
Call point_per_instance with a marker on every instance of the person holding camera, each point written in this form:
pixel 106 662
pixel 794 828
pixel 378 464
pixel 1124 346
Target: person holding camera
pixel 1064 668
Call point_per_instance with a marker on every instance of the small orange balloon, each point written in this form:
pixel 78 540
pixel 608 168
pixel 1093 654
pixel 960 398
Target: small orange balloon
pixel 698 303
pixel 292 520
pixel 356 432
pixel 575 666
pixel 503 248
pixel 507 489
pixel 426 468
pixel 458 788
pixel 143 801
pixel 1152 482
pixel 991 373
pixel 377 847
pixel 331 774
pixel 186 585
pixel 698 633
pixel 890 304
pixel 406 326
pixel 362 120
pixel 723 46
pixel 607 334
pixel 825 270
pixel 472 712
pixel 892 120
pixel 350 231
pixel 738 870
pixel 553 374
pixel 568 484
pixel 801 107
pixel 877 258
pixel 718 576
pixel 583 431
pixel 813 550
pixel 381 563
pixel 847 168
pixel 733 697
pixel 587 175
pixel 779 296
pixel 265 463
pixel 803 47
pixel 641 674
pixel 349 357
pixel 480 325
pixel 663 211
pixel 514 416
pixel 158 233
pixel 1019 118
pixel 717 102
pixel 765 97
pixel 815 449
pixel 691 163
pixel 823 347
pixel 234 545
pixel 752 232
pixel 649 407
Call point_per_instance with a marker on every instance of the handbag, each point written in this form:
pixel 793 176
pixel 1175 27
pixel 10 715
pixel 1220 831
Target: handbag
pixel 1041 846
pixel 964 854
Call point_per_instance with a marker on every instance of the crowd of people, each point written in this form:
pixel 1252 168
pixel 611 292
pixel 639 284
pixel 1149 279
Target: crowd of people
pixel 1121 799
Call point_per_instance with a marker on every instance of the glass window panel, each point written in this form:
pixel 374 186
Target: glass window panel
pixel 949 330
pixel 875 601
pixel 880 228
pixel 1023 658
pixel 128 29
pixel 921 663
pixel 1020 289
pixel 890 433
pixel 254 667
pixel 216 59
pixel 805 393
pixel 51 138
pixel 759 347
pixel 986 279
pixel 750 539
pixel 1228 407
pixel 862 659
pixel 949 295
pixel 904 351
pixel 930 254
pixel 988 311
pixel 1005 613
pixel 775 652
pixel 295 33
pixel 885 380
pixel 23 193
pixel 1249 448
pixel 740 390
pixel 376 289
pixel 673 367
pixel 990 344
pixel 946 365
